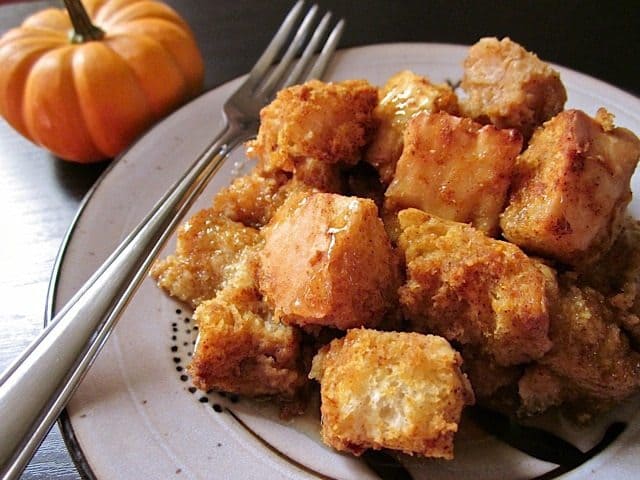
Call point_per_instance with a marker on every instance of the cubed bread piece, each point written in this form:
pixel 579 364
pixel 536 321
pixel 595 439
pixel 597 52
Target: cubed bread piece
pixel 617 276
pixel 404 95
pixel 253 199
pixel 571 188
pixel 540 389
pixel 241 352
pixel 402 391
pixel 591 357
pixel 240 283
pixel 510 87
pixel 319 176
pixel 207 244
pixel 486 376
pixel 329 122
pixel 327 261
pixel 617 272
pixel 240 348
pixel 470 288
pixel 454 168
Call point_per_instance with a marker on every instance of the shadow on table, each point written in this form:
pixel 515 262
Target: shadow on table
pixel 77 179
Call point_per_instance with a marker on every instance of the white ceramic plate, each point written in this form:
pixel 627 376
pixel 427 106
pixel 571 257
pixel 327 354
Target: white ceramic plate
pixel 135 417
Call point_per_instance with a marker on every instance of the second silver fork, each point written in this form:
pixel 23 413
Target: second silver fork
pixel 38 385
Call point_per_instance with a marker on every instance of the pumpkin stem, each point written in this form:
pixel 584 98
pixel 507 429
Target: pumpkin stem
pixel 83 29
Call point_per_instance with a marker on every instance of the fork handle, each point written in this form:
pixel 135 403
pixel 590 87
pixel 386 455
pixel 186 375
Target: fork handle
pixel 38 385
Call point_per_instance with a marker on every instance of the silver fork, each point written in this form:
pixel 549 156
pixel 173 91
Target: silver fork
pixel 37 386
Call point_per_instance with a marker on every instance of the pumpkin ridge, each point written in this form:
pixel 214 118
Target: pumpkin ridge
pixel 114 107
pixel 68 135
pixel 107 12
pixel 162 91
pixel 45 33
pixel 170 54
pixel 50 18
pixel 12 79
pixel 142 10
pixel 92 7
pixel 178 42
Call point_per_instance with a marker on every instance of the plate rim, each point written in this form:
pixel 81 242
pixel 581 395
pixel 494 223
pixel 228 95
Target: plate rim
pixel 64 422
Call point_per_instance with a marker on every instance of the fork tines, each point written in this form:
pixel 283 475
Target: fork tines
pixel 288 70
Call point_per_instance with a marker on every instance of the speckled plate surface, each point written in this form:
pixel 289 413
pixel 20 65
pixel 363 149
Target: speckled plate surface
pixel 136 414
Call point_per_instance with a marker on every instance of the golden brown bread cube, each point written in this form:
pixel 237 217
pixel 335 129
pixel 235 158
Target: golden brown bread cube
pixel 473 289
pixel 240 348
pixel 571 188
pixel 253 199
pixel 540 389
pixel 617 276
pixel 239 351
pixel 404 95
pixel 329 122
pixel 591 358
pixel 206 245
pixel 510 87
pixel 454 168
pixel 486 376
pixel 319 176
pixel 402 391
pixel 328 261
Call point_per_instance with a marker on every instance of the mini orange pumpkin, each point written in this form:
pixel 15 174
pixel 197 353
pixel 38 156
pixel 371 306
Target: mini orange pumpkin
pixel 86 83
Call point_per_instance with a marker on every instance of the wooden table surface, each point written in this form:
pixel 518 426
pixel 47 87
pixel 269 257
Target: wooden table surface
pixel 39 194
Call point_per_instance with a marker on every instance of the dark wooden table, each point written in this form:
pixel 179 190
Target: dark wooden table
pixel 39 194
